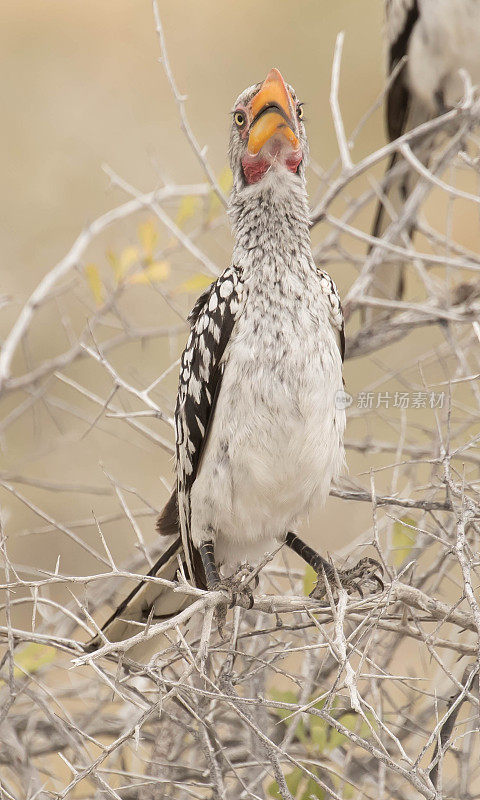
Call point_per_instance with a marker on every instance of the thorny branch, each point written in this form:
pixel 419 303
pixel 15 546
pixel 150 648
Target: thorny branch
pixel 374 697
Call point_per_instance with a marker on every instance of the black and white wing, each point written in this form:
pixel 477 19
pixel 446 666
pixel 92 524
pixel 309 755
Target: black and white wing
pixel 212 320
pixel 336 311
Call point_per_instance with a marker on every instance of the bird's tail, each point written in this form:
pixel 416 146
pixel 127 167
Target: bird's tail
pixel 148 598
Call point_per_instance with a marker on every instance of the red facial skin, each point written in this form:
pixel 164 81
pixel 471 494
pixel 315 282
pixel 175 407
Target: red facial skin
pixel 254 170
pixel 255 167
pixel 292 162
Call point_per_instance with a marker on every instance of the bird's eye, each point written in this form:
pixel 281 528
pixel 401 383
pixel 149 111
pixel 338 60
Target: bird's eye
pixel 300 111
pixel 239 118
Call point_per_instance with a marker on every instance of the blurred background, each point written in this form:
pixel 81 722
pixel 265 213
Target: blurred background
pixel 82 87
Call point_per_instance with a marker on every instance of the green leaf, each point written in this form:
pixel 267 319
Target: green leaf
pixel 353 722
pixel 283 713
pixel 123 263
pixel 309 580
pixel 156 272
pixel 350 721
pixel 186 210
pixel 129 256
pixel 196 284
pixel 358 724
pixel 319 731
pixel 292 780
pixel 225 182
pixel 403 540
pixel 115 265
pixel 274 791
pixel 313 790
pixel 335 739
pixel 32 657
pixel 284 697
pixel 95 283
pixel 319 705
pixel 300 731
pixel 148 237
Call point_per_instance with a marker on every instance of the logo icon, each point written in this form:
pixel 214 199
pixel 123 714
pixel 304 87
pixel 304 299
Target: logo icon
pixel 343 400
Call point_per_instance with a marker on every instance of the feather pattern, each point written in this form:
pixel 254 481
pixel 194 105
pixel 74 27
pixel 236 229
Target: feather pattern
pixel 212 320
pixel 335 310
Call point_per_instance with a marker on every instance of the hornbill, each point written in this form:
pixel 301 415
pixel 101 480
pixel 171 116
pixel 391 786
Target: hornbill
pixel 259 434
pixel 429 42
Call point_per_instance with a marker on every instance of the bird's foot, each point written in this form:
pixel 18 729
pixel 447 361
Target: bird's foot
pixel 366 574
pixel 237 593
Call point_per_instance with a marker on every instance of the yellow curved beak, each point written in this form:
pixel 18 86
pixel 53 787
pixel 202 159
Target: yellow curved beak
pixel 272 113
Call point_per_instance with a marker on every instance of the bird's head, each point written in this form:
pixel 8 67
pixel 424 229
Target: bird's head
pixel 267 132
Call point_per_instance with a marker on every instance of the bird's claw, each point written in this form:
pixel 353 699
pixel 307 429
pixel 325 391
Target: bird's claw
pixel 366 571
pixel 251 576
pixel 237 592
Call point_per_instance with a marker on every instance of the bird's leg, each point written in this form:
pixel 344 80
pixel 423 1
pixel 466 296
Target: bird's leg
pixel 309 555
pixel 239 594
pixel 207 553
pixel 350 579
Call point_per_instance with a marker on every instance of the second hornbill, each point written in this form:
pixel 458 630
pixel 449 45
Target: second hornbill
pixel 429 43
pixel 259 431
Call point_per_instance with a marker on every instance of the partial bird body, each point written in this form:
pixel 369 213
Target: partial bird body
pixel 438 40
pixel 444 41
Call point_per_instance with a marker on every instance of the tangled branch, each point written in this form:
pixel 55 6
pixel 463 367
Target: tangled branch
pixel 296 698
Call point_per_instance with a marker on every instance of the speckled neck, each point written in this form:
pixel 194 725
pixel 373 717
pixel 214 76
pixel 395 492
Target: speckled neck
pixel 271 219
